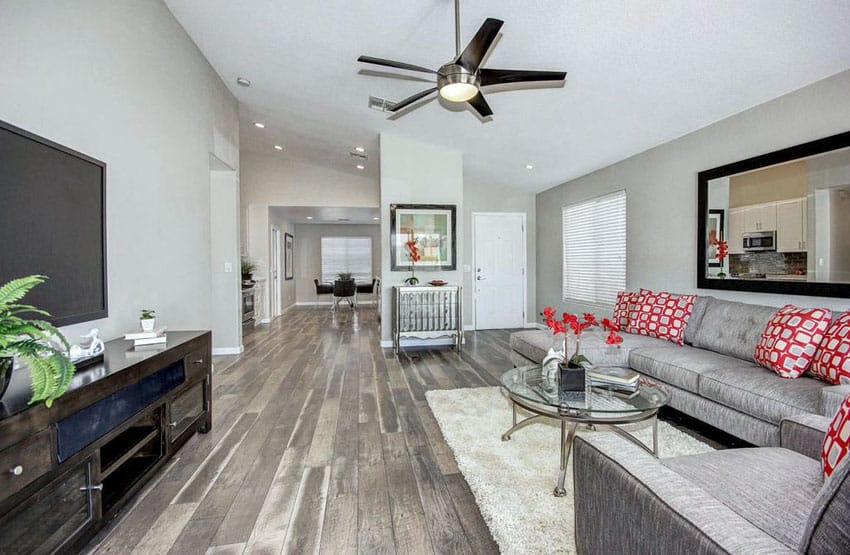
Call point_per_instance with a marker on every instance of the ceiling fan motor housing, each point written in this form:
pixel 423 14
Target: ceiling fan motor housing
pixel 462 79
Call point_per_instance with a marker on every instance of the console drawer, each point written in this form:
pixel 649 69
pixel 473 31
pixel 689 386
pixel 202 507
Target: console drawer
pixel 197 364
pixel 23 462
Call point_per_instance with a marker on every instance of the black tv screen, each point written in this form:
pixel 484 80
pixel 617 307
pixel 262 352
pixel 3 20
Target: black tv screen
pixel 53 222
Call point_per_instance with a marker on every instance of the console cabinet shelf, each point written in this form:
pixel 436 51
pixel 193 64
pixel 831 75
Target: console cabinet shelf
pixel 67 470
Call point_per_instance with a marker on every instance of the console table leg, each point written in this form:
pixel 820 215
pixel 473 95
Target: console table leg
pixel 568 434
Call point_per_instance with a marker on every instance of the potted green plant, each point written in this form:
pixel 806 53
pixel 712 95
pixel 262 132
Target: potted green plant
pixel 147 319
pixel 248 268
pixel 32 342
pixel 344 276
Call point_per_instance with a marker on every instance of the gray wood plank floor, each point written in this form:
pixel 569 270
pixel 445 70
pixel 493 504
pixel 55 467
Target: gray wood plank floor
pixel 322 442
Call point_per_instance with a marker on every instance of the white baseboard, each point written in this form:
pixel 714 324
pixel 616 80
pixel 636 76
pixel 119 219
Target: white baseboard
pixel 535 325
pixel 264 321
pixel 219 351
pixel 386 343
pixel 468 327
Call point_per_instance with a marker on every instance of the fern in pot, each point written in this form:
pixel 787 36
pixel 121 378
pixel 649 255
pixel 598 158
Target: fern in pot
pixel 32 341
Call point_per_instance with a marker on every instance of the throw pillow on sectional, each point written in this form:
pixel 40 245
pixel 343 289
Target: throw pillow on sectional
pixel 832 359
pixel 637 300
pixel 836 444
pixel 791 338
pixel 663 315
pixel 626 301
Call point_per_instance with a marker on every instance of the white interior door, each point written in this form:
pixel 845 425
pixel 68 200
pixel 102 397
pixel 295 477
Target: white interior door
pixel 499 271
pixel 275 285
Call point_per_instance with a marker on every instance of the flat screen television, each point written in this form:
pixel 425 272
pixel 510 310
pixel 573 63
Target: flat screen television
pixel 53 222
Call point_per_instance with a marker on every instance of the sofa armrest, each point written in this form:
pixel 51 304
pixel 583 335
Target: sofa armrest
pixel 804 434
pixel 627 501
pixel 831 398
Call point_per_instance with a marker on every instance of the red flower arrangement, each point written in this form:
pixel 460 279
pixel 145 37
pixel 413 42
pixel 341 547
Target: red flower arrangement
pixel 572 323
pixel 722 249
pixel 413 254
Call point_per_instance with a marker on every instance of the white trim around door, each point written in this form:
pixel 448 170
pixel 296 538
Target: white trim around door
pixel 477 242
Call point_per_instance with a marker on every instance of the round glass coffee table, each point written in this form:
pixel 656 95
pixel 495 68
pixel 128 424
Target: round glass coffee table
pixel 531 388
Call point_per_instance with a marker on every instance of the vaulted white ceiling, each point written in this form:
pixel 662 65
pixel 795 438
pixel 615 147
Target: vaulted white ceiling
pixel 640 73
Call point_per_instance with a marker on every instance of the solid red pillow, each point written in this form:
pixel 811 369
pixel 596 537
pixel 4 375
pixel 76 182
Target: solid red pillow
pixel 791 338
pixel 832 359
pixel 836 444
pixel 663 315
pixel 625 304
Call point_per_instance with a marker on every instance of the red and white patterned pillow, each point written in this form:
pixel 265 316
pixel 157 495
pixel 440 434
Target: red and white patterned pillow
pixel 832 359
pixel 625 304
pixel 791 338
pixel 663 315
pixel 836 444
pixel 634 309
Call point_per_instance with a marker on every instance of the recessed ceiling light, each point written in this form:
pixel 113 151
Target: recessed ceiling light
pixel 243 82
pixel 359 149
pixel 361 167
pixel 376 218
pixel 260 125
pixel 278 147
pixel 309 217
pixel 529 167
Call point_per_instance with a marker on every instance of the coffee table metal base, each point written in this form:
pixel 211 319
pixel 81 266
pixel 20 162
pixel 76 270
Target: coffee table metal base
pixel 570 420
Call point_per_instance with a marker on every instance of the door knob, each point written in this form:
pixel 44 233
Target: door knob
pixel 479 278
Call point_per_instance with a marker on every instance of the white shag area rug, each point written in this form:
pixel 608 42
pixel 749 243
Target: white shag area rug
pixel 513 480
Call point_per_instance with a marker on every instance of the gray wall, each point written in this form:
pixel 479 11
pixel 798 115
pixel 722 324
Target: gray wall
pixel 662 192
pixel 308 254
pixel 486 198
pixel 287 287
pixel 121 81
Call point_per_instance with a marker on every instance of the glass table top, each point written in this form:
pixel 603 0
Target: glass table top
pixel 532 384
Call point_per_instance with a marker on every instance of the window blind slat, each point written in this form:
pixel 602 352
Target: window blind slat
pixel 595 249
pixel 347 254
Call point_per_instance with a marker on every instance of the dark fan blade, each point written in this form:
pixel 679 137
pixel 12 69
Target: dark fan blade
pixel 480 105
pixel 411 99
pixel 477 48
pixel 391 63
pixel 502 76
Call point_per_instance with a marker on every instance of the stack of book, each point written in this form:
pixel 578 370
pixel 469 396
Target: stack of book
pixel 147 339
pixel 617 379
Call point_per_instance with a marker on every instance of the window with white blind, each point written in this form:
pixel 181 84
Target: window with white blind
pixel 595 249
pixel 351 255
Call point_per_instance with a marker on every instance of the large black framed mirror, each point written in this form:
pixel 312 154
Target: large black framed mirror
pixel 783 218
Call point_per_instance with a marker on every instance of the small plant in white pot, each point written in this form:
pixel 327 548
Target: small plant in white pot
pixel 147 319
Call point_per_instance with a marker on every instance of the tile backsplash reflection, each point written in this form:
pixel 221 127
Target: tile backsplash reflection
pixel 782 263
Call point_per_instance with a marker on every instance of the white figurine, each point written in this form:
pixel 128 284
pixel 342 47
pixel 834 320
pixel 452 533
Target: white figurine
pixel 91 346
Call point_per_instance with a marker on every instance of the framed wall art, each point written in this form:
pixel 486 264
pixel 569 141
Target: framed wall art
pixel 288 260
pixel 433 226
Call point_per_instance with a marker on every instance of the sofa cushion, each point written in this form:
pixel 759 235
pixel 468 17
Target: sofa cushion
pixel 836 443
pixel 732 328
pixel 700 305
pixel 532 344
pixel 662 315
pixel 761 393
pixel 773 488
pixel 832 360
pixel 680 366
pixel 791 338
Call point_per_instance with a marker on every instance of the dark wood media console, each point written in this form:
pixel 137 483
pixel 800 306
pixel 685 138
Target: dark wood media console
pixel 67 470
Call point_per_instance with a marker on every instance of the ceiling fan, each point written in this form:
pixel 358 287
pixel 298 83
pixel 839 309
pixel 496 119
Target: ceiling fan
pixel 461 79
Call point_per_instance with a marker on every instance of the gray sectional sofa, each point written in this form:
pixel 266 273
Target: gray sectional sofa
pixel 712 377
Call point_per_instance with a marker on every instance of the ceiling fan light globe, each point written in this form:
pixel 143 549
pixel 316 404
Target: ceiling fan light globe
pixel 458 92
